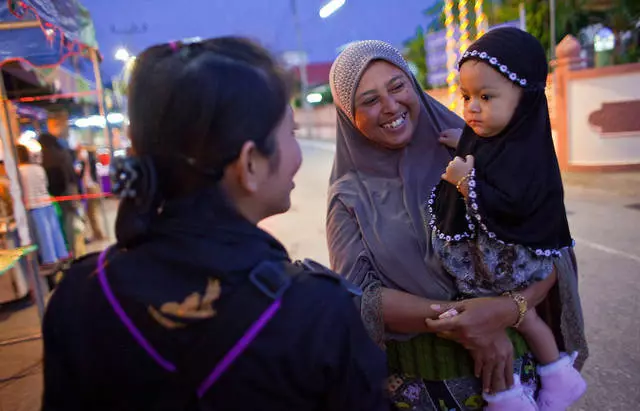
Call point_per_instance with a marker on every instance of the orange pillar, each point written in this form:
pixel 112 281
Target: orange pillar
pixel 568 59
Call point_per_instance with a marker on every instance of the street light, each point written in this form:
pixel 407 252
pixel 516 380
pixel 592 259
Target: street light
pixel 122 54
pixel 314 98
pixel 330 8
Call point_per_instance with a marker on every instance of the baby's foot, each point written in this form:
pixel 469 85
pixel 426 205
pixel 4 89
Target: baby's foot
pixel 562 384
pixel 515 398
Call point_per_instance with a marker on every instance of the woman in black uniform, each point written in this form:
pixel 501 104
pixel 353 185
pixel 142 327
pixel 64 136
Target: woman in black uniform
pixel 195 307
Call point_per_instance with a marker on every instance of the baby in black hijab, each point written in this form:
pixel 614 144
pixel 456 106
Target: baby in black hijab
pixel 498 217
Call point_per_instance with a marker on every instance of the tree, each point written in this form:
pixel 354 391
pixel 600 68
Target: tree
pixel 621 16
pixel 571 16
pixel 416 55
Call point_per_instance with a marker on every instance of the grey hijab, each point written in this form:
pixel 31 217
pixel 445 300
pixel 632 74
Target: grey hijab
pixel 385 189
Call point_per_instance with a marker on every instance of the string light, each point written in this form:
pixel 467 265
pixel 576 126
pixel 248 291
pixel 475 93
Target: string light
pixel 463 15
pixel 451 52
pixel 481 19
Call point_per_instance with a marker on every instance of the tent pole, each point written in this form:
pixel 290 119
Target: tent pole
pixel 101 103
pixel 107 130
pixel 12 25
pixel 20 213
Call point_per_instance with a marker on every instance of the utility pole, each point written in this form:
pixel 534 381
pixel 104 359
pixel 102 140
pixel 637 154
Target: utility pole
pixel 302 66
pixel 552 25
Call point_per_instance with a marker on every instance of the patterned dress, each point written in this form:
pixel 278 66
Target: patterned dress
pixel 485 267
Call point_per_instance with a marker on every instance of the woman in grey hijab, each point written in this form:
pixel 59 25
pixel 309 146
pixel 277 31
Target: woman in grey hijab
pixel 388 157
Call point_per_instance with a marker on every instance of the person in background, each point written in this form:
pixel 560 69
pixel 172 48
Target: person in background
pixel 91 187
pixel 37 201
pixel 6 203
pixel 57 161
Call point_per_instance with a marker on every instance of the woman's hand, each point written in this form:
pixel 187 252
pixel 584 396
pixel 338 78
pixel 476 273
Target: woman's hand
pixel 493 363
pixel 479 325
pixel 476 319
pixel 451 137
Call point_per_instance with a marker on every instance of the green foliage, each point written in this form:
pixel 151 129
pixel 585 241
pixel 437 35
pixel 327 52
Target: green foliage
pixel 571 17
pixel 415 53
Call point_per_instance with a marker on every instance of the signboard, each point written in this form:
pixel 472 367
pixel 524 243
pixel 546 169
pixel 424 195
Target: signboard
pixel 294 58
pixel 435 45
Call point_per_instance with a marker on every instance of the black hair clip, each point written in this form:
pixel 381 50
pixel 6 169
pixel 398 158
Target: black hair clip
pixel 124 175
pixel 133 177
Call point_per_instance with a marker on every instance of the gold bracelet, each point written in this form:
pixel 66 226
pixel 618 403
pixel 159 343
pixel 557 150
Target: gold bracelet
pixel 521 302
pixel 462 181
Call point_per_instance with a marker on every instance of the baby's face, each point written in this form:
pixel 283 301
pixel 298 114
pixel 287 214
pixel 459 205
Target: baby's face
pixel 489 98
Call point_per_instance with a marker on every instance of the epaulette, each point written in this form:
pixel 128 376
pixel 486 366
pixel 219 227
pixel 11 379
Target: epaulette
pixel 314 268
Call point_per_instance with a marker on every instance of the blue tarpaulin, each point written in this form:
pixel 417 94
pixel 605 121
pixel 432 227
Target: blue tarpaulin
pixel 60 29
pixel 68 15
pixel 65 27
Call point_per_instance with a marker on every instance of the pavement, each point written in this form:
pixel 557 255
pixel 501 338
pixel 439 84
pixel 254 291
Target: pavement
pixel 619 183
pixel 604 213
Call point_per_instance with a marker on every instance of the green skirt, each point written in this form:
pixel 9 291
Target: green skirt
pixel 432 358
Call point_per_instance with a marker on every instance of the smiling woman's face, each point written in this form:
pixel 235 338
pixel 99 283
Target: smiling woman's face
pixel 387 106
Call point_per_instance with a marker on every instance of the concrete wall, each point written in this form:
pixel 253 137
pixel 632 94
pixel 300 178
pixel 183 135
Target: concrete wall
pixel 603 116
pixel 321 125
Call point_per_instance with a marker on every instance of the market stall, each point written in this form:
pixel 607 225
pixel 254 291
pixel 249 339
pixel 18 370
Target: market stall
pixel 52 40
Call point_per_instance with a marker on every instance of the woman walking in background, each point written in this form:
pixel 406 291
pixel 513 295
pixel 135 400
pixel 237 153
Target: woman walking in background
pixel 37 201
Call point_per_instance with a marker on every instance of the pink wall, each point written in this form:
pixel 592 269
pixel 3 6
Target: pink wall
pixel 603 116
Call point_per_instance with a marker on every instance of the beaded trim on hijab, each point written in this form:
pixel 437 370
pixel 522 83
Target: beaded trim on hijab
pixel 504 69
pixel 472 217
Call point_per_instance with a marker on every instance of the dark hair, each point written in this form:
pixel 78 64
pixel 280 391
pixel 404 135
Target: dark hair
pixel 192 106
pixel 23 154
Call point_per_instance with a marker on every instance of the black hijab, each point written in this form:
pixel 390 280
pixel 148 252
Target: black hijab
pixel 515 193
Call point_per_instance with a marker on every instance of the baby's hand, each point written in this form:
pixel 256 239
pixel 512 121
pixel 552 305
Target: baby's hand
pixel 451 312
pixel 451 137
pixel 457 169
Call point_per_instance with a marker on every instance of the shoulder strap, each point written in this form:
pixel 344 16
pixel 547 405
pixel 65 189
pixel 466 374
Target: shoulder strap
pixel 242 316
pixel 124 318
